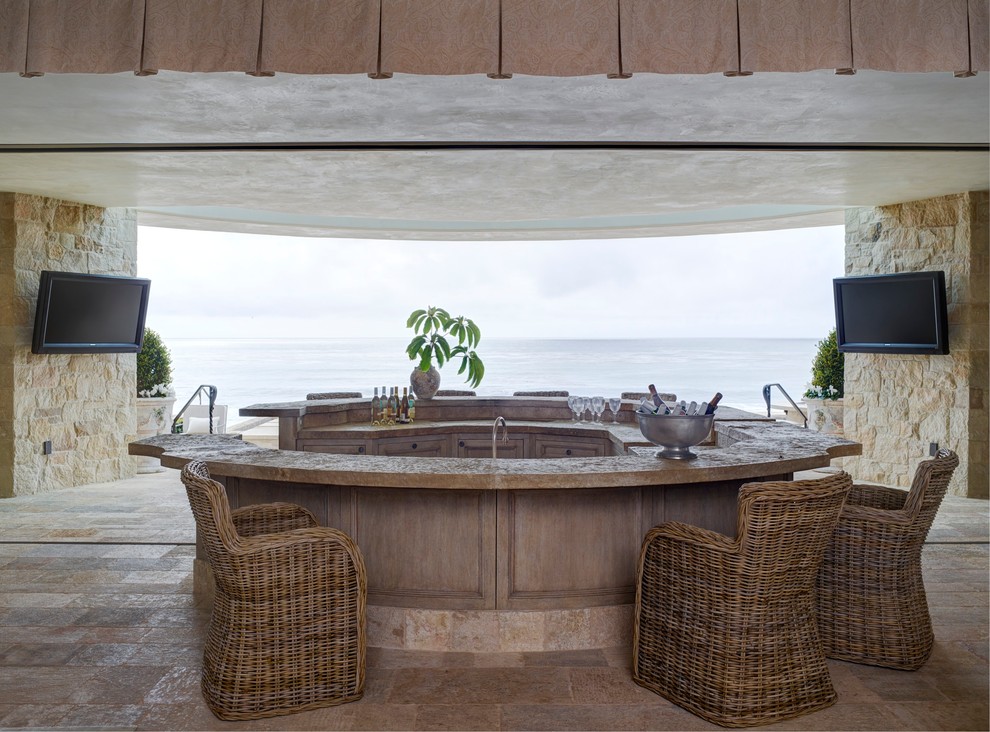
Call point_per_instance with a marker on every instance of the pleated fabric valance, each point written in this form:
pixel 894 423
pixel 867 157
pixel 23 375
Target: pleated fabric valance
pixel 494 37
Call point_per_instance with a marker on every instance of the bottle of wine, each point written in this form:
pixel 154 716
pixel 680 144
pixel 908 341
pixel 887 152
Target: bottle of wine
pixel 661 406
pixel 393 406
pixel 404 405
pixel 376 405
pixel 713 403
pixel 412 407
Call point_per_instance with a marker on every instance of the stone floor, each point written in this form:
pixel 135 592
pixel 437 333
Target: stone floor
pixel 99 630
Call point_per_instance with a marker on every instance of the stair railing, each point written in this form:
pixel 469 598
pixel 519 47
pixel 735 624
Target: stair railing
pixel 766 398
pixel 211 395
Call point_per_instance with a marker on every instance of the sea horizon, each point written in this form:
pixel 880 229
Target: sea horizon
pixel 250 371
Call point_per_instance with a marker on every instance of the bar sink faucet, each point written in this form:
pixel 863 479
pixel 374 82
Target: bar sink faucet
pixel 505 435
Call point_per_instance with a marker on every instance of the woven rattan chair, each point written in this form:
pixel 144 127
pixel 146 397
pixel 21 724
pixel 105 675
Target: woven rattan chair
pixel 455 392
pixel 872 606
pixel 287 632
pixel 544 393
pixel 726 627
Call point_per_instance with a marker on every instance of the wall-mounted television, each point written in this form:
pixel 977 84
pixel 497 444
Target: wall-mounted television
pixel 84 313
pixel 895 313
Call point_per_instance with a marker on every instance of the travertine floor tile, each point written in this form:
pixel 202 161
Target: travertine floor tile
pixel 105 635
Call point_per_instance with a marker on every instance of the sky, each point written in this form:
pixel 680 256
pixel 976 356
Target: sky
pixel 762 284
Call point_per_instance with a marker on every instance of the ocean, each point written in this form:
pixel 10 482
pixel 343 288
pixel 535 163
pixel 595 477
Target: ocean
pixel 252 371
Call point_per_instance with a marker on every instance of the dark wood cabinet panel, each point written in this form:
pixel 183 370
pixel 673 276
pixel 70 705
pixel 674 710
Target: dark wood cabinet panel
pixel 426 548
pixel 480 446
pixel 561 447
pixel 426 446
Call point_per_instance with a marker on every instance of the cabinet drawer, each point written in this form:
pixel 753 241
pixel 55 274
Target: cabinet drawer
pixel 562 448
pixel 413 446
pixel 475 446
pixel 337 448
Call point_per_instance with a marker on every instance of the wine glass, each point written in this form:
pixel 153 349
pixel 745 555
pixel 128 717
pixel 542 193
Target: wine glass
pixel 615 403
pixel 585 406
pixel 597 408
pixel 574 402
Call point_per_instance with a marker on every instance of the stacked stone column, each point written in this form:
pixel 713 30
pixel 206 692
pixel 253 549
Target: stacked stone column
pixel 85 403
pixel 896 405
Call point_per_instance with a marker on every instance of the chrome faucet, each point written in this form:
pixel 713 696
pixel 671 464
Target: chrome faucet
pixel 505 435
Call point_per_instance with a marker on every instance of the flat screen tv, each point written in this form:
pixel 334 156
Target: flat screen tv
pixel 84 313
pixel 896 313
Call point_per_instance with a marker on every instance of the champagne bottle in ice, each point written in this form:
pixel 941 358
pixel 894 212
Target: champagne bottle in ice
pixel 713 403
pixel 657 401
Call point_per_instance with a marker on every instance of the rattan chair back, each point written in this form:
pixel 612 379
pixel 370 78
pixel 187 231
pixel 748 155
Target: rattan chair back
pixel 931 481
pixel 782 531
pixel 872 607
pixel 211 510
pixel 725 627
pixel 287 629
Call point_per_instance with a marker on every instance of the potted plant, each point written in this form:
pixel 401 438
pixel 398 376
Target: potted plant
pixel 155 397
pixel 824 394
pixel 433 327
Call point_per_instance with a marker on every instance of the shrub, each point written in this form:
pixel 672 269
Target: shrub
pixel 154 366
pixel 827 370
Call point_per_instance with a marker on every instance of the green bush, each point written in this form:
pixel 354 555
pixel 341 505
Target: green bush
pixel 827 370
pixel 154 366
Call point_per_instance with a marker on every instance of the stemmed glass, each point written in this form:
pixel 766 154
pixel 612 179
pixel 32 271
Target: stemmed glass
pixel 597 408
pixel 615 403
pixel 585 406
pixel 575 403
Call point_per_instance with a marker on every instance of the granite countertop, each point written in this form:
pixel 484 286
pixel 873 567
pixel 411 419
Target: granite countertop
pixel 758 448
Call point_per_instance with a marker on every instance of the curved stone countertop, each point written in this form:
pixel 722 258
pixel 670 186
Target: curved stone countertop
pixel 747 449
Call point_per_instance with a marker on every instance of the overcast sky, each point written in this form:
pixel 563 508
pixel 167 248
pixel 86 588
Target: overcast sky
pixel 766 284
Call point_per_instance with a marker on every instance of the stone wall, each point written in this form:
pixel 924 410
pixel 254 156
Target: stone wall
pixel 897 404
pixel 84 404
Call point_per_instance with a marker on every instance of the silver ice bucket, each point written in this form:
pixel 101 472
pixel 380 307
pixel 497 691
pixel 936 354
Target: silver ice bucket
pixel 675 434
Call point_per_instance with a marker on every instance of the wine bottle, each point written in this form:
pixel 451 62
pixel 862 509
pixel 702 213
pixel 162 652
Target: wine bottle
pixel 661 406
pixel 713 403
pixel 393 405
pixel 376 405
pixel 404 405
pixel 412 407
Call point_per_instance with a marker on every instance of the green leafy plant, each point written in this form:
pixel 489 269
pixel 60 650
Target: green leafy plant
pixel 154 366
pixel 433 327
pixel 827 370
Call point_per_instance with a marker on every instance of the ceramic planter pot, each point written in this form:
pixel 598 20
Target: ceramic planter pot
pixel 425 383
pixel 154 417
pixel 825 415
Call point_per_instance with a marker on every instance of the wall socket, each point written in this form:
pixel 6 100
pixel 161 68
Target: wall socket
pixel 46 447
pixel 933 448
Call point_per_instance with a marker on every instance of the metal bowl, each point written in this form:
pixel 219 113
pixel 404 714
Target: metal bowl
pixel 675 434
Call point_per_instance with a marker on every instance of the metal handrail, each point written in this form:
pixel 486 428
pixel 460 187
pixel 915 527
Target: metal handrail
pixel 211 395
pixel 766 398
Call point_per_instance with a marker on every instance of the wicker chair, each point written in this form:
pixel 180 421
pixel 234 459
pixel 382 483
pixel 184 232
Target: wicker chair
pixel 872 606
pixel 544 393
pixel 333 395
pixel 455 392
pixel 287 632
pixel 726 627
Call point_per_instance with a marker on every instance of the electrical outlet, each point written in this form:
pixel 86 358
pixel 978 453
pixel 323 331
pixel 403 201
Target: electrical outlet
pixel 933 448
pixel 46 447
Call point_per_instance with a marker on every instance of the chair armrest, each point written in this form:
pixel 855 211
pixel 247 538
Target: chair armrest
pixel 875 504
pixel 876 496
pixel 271 518
pixel 694 535
pixel 265 543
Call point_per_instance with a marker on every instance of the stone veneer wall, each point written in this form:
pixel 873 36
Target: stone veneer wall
pixel 897 404
pixel 84 403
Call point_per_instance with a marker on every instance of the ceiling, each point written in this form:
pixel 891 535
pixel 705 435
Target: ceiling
pixel 682 187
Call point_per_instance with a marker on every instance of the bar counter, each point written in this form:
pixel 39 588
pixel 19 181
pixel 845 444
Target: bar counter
pixel 511 553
